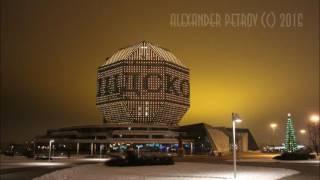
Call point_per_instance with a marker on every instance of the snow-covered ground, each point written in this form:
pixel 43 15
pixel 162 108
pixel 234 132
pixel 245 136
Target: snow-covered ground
pixel 8 162
pixel 279 161
pixel 179 171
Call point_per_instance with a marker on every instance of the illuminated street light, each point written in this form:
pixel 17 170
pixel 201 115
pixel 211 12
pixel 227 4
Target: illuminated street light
pixel 50 142
pixel 314 133
pixel 273 127
pixel 235 119
pixel 314 118
pixel 238 120
pixel 303 131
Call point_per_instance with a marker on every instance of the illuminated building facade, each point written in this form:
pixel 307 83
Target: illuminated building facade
pixel 143 84
pixel 143 91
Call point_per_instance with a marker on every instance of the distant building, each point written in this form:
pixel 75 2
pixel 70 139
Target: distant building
pixel 143 92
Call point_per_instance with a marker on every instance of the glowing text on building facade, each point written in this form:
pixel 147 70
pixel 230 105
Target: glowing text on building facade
pixel 143 83
pixel 167 83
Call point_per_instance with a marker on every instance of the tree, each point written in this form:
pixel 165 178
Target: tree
pixel 314 136
pixel 290 141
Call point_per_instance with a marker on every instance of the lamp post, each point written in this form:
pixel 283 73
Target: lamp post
pixel 50 142
pixel 273 127
pixel 302 132
pixel 100 150
pixel 315 139
pixel 235 119
pixel 34 147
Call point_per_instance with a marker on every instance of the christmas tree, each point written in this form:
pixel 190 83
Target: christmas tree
pixel 290 141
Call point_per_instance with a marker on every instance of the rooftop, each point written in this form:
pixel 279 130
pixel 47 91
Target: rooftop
pixel 125 53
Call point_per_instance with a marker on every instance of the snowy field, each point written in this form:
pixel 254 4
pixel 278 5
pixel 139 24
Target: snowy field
pixel 9 162
pixel 279 161
pixel 179 171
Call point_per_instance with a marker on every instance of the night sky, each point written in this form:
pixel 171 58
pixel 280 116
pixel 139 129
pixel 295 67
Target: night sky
pixel 50 52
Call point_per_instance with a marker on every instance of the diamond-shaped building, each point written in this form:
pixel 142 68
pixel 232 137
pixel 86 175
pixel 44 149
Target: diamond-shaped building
pixel 143 84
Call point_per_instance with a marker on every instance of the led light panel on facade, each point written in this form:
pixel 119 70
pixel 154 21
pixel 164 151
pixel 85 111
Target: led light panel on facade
pixel 144 84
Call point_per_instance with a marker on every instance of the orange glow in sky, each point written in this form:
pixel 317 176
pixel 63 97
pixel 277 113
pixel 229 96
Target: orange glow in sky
pixel 50 52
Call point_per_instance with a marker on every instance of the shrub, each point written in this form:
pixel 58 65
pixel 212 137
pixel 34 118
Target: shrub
pixel 295 156
pixel 133 159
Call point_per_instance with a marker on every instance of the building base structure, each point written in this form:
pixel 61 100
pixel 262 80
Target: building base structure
pixel 101 139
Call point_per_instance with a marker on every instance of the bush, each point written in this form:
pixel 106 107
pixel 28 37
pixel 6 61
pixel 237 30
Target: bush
pixel 145 159
pixel 295 156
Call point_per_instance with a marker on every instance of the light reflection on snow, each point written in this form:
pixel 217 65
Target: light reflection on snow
pixel 180 170
pixel 40 164
pixel 94 159
pixel 56 161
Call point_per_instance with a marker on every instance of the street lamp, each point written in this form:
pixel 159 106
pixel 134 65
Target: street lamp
pixel 235 119
pixel 273 127
pixel 303 131
pixel 314 118
pixel 34 147
pixel 100 150
pixel 50 142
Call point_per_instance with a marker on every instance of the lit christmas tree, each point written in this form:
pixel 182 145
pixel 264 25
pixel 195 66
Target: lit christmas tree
pixel 290 141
